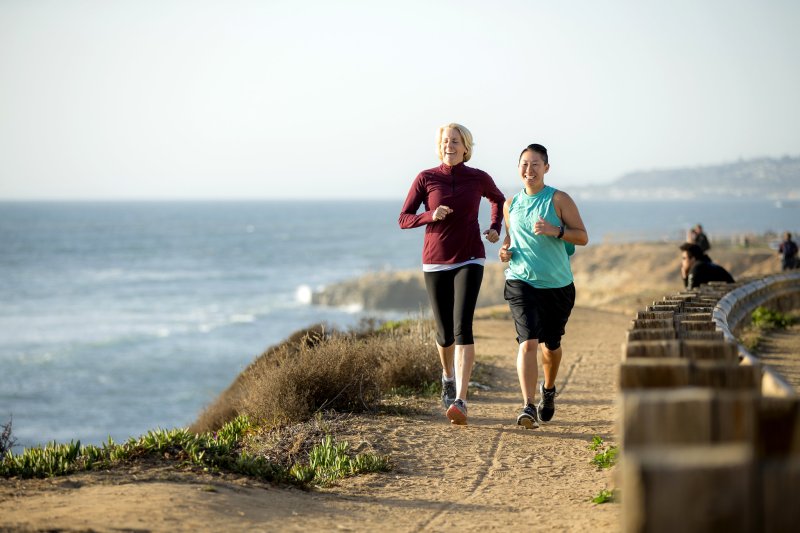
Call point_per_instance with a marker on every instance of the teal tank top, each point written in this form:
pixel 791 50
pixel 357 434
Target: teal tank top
pixel 540 260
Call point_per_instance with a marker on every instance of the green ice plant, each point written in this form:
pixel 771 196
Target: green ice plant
pixel 211 451
pixel 52 460
pixel 223 450
pixel 329 461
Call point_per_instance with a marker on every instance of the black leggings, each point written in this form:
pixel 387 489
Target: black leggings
pixel 453 295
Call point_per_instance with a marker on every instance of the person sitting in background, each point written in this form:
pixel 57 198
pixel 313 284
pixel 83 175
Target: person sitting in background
pixel 788 252
pixel 698 237
pixel 697 268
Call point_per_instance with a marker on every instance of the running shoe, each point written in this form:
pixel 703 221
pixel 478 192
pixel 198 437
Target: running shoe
pixel 457 413
pixel 528 417
pixel 448 393
pixel 547 405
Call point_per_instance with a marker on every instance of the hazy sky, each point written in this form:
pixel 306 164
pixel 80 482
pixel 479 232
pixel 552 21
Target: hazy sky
pixel 341 99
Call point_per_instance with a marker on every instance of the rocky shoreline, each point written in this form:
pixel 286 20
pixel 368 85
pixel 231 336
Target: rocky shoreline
pixel 615 277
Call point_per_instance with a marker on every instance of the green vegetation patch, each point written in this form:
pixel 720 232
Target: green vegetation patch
pixel 764 318
pixel 225 450
pixel 329 461
pixel 605 496
pixel 606 455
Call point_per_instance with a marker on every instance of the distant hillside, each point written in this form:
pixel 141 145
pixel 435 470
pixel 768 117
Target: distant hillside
pixel 765 178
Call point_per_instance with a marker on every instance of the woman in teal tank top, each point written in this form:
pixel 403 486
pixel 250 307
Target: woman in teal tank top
pixel 537 259
pixel 543 226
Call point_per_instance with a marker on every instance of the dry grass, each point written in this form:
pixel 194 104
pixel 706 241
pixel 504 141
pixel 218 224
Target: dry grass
pixel 7 441
pixel 290 444
pixel 318 369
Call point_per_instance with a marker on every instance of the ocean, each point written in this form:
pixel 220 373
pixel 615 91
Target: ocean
pixel 120 317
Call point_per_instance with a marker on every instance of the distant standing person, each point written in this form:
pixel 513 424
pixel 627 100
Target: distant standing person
pixel 788 252
pixel 697 268
pixel 543 226
pixel 697 236
pixel 453 254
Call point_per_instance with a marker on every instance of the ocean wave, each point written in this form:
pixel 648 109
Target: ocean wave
pixel 36 344
pixel 241 319
pixel 122 275
pixel 29 358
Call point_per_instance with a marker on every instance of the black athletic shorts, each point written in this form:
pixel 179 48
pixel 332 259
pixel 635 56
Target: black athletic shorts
pixel 539 314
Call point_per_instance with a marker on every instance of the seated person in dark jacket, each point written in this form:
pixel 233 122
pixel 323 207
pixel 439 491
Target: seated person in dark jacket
pixel 697 268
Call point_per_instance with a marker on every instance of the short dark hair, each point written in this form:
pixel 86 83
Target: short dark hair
pixel 693 250
pixel 539 149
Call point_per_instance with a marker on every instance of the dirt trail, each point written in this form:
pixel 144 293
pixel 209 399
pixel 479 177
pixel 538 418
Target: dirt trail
pixel 489 475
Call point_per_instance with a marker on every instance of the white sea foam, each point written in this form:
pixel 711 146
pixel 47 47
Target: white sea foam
pixel 352 308
pixel 303 294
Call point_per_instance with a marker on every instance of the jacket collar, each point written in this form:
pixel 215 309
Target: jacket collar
pixel 454 170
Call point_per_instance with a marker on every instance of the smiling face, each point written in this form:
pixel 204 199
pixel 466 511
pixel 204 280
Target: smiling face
pixel 532 169
pixel 452 147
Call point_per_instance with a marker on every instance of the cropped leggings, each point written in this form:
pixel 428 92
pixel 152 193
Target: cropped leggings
pixel 453 295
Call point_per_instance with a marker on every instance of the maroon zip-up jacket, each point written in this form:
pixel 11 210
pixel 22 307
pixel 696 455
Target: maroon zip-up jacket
pixel 457 238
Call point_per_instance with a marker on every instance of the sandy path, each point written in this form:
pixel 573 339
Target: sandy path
pixel 780 349
pixel 490 475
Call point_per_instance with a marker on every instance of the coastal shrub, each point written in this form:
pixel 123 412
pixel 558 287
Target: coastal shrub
pixel 409 360
pixel 229 404
pixel 341 373
pixel 319 369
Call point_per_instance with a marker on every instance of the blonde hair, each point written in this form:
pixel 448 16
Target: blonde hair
pixel 466 137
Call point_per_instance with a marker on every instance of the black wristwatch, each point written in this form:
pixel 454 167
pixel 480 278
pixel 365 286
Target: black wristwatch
pixel 560 232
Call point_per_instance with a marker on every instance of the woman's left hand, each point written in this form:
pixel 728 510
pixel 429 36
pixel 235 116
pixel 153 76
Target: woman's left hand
pixel 491 235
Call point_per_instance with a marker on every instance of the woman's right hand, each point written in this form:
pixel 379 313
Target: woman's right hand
pixel 440 212
pixel 505 253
